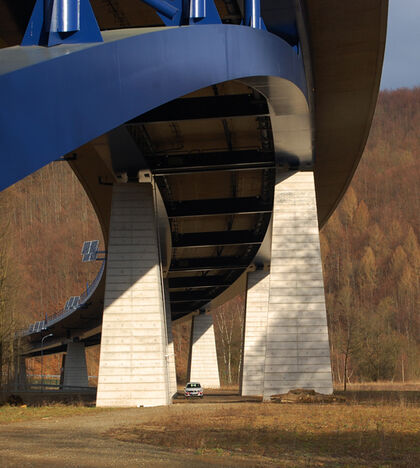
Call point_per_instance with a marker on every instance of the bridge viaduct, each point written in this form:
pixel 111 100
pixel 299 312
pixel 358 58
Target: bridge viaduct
pixel 214 138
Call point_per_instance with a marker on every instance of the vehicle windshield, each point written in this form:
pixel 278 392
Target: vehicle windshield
pixel 193 385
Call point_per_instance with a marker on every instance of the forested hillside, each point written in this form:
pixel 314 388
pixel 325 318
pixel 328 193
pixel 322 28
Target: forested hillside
pixel 49 218
pixel 370 250
pixel 44 220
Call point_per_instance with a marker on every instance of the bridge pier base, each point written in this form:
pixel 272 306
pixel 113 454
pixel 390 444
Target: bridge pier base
pixel 286 335
pixel 203 366
pixel 20 381
pixel 135 366
pixel 75 369
pixel 170 350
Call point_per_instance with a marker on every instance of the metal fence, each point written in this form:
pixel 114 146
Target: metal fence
pixel 52 383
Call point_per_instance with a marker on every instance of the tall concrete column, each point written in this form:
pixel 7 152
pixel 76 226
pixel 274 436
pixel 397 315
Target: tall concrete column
pixel 203 360
pixel 20 374
pixel 256 322
pixel 133 368
pixel 286 335
pixel 75 369
pixel 170 350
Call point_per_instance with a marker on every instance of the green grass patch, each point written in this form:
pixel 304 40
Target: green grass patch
pixel 11 414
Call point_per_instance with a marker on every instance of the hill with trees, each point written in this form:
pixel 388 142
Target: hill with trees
pixel 44 221
pixel 371 252
pixel 370 249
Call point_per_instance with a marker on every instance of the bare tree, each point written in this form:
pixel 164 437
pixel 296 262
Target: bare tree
pixel 229 323
pixel 10 344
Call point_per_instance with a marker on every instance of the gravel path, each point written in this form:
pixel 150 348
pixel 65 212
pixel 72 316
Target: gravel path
pixel 80 441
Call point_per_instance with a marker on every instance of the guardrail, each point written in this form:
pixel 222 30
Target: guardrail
pixel 58 387
pixel 57 316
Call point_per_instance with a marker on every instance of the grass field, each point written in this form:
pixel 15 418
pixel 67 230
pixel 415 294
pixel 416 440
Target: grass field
pixel 378 426
pixel 11 414
pixel 382 386
pixel 376 433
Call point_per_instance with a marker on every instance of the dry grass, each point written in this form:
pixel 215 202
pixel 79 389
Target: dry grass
pixel 292 435
pixel 383 393
pixel 383 386
pixel 11 414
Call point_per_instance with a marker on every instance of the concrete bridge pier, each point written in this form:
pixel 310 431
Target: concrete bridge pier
pixel 136 365
pixel 20 381
pixel 254 347
pixel 286 336
pixel 203 366
pixel 170 350
pixel 75 372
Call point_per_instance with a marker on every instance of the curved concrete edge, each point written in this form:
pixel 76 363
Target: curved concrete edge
pixel 290 118
pixel 347 47
pixel 59 324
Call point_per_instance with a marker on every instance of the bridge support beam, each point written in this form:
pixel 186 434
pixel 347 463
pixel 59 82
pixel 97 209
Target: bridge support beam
pixel 134 358
pixel 75 369
pixel 286 335
pixel 20 381
pixel 203 358
pixel 254 350
pixel 170 350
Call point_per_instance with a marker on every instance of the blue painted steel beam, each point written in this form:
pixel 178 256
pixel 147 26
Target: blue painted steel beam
pixel 163 7
pixel 54 100
pixel 61 22
pixel 66 16
pixel 253 14
pixel 198 9
pixel 188 12
pixel 203 12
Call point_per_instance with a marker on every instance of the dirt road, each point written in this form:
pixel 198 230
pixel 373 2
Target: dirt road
pixel 80 441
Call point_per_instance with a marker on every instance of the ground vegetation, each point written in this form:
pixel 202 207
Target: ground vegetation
pixel 288 435
pixel 10 343
pixel 371 254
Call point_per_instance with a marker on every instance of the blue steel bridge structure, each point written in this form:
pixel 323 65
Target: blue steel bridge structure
pixel 209 105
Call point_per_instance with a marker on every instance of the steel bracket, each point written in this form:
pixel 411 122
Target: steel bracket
pixel 56 22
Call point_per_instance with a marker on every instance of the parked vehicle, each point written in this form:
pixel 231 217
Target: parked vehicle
pixel 193 389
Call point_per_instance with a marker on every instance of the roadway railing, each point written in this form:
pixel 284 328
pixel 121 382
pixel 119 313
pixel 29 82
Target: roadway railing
pixel 58 387
pixel 59 315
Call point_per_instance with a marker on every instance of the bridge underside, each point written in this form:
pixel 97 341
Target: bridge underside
pixel 212 157
pixel 211 136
